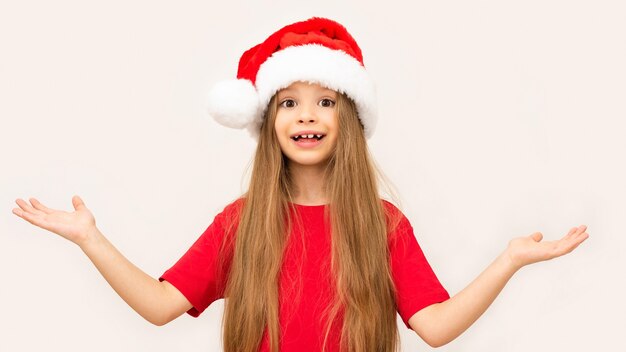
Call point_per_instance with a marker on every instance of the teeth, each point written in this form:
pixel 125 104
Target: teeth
pixel 308 136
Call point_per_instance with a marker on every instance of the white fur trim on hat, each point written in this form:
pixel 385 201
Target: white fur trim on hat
pixel 333 69
pixel 234 103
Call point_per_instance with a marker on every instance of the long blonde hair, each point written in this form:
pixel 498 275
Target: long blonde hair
pixel 365 293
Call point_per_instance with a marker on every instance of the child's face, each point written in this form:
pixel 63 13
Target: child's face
pixel 304 107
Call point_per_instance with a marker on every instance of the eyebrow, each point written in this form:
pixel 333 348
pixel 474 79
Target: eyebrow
pixel 325 90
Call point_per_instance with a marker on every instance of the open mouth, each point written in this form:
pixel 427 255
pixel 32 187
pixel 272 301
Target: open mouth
pixel 308 137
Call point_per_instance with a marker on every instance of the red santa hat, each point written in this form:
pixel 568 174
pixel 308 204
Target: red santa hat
pixel 317 50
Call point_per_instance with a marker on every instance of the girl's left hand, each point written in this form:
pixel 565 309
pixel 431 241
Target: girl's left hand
pixel 527 250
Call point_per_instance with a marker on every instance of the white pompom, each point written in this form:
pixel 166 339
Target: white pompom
pixel 234 103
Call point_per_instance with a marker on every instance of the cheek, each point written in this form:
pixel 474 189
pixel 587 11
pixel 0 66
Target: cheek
pixel 333 119
pixel 279 124
pixel 281 131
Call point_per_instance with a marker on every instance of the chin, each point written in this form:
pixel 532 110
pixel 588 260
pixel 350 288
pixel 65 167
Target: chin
pixel 309 161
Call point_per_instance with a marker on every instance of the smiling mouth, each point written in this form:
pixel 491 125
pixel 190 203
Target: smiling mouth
pixel 314 138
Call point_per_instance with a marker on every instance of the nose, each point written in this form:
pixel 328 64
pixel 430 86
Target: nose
pixel 307 120
pixel 307 115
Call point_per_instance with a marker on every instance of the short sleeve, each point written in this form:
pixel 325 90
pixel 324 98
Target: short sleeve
pixel 195 274
pixel 416 283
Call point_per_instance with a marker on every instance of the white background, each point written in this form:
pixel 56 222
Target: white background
pixel 497 119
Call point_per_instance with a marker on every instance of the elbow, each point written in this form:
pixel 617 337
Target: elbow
pixel 157 321
pixel 429 327
pixel 436 343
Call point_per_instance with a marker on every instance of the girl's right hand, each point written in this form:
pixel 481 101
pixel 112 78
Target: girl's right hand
pixel 76 226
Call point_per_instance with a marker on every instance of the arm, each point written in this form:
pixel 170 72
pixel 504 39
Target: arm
pixel 440 323
pixel 157 302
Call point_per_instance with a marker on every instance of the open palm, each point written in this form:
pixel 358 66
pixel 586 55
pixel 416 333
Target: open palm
pixel 527 250
pixel 74 226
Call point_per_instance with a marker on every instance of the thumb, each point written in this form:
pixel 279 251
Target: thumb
pixel 537 236
pixel 77 203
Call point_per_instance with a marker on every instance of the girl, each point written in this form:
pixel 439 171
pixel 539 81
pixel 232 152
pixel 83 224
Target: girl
pixel 310 257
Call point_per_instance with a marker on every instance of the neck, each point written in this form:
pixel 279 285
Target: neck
pixel 308 182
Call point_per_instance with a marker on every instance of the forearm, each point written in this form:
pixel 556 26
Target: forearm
pixel 449 319
pixel 140 291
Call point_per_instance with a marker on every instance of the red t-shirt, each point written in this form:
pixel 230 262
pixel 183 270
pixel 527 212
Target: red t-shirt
pixel 194 275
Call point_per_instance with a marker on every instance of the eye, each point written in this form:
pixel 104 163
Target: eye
pixel 329 103
pixel 291 105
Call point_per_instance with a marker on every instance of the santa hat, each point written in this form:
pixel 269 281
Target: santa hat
pixel 317 50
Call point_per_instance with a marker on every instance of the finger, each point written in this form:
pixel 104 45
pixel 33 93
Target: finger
pixel 34 219
pixel 571 232
pixel 18 212
pixel 571 243
pixel 575 232
pixel 580 238
pixel 574 244
pixel 27 207
pixel 37 205
pixel 77 203
pixel 579 233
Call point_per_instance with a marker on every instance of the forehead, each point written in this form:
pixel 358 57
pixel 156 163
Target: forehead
pixel 305 86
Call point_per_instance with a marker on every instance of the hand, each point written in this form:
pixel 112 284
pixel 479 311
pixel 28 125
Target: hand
pixel 527 250
pixel 76 226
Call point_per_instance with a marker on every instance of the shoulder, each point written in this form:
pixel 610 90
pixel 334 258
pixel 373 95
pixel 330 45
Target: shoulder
pixel 230 214
pixel 234 206
pixel 390 207
pixel 395 218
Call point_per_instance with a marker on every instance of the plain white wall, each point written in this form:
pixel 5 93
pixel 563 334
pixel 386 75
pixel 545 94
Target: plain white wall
pixel 497 119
